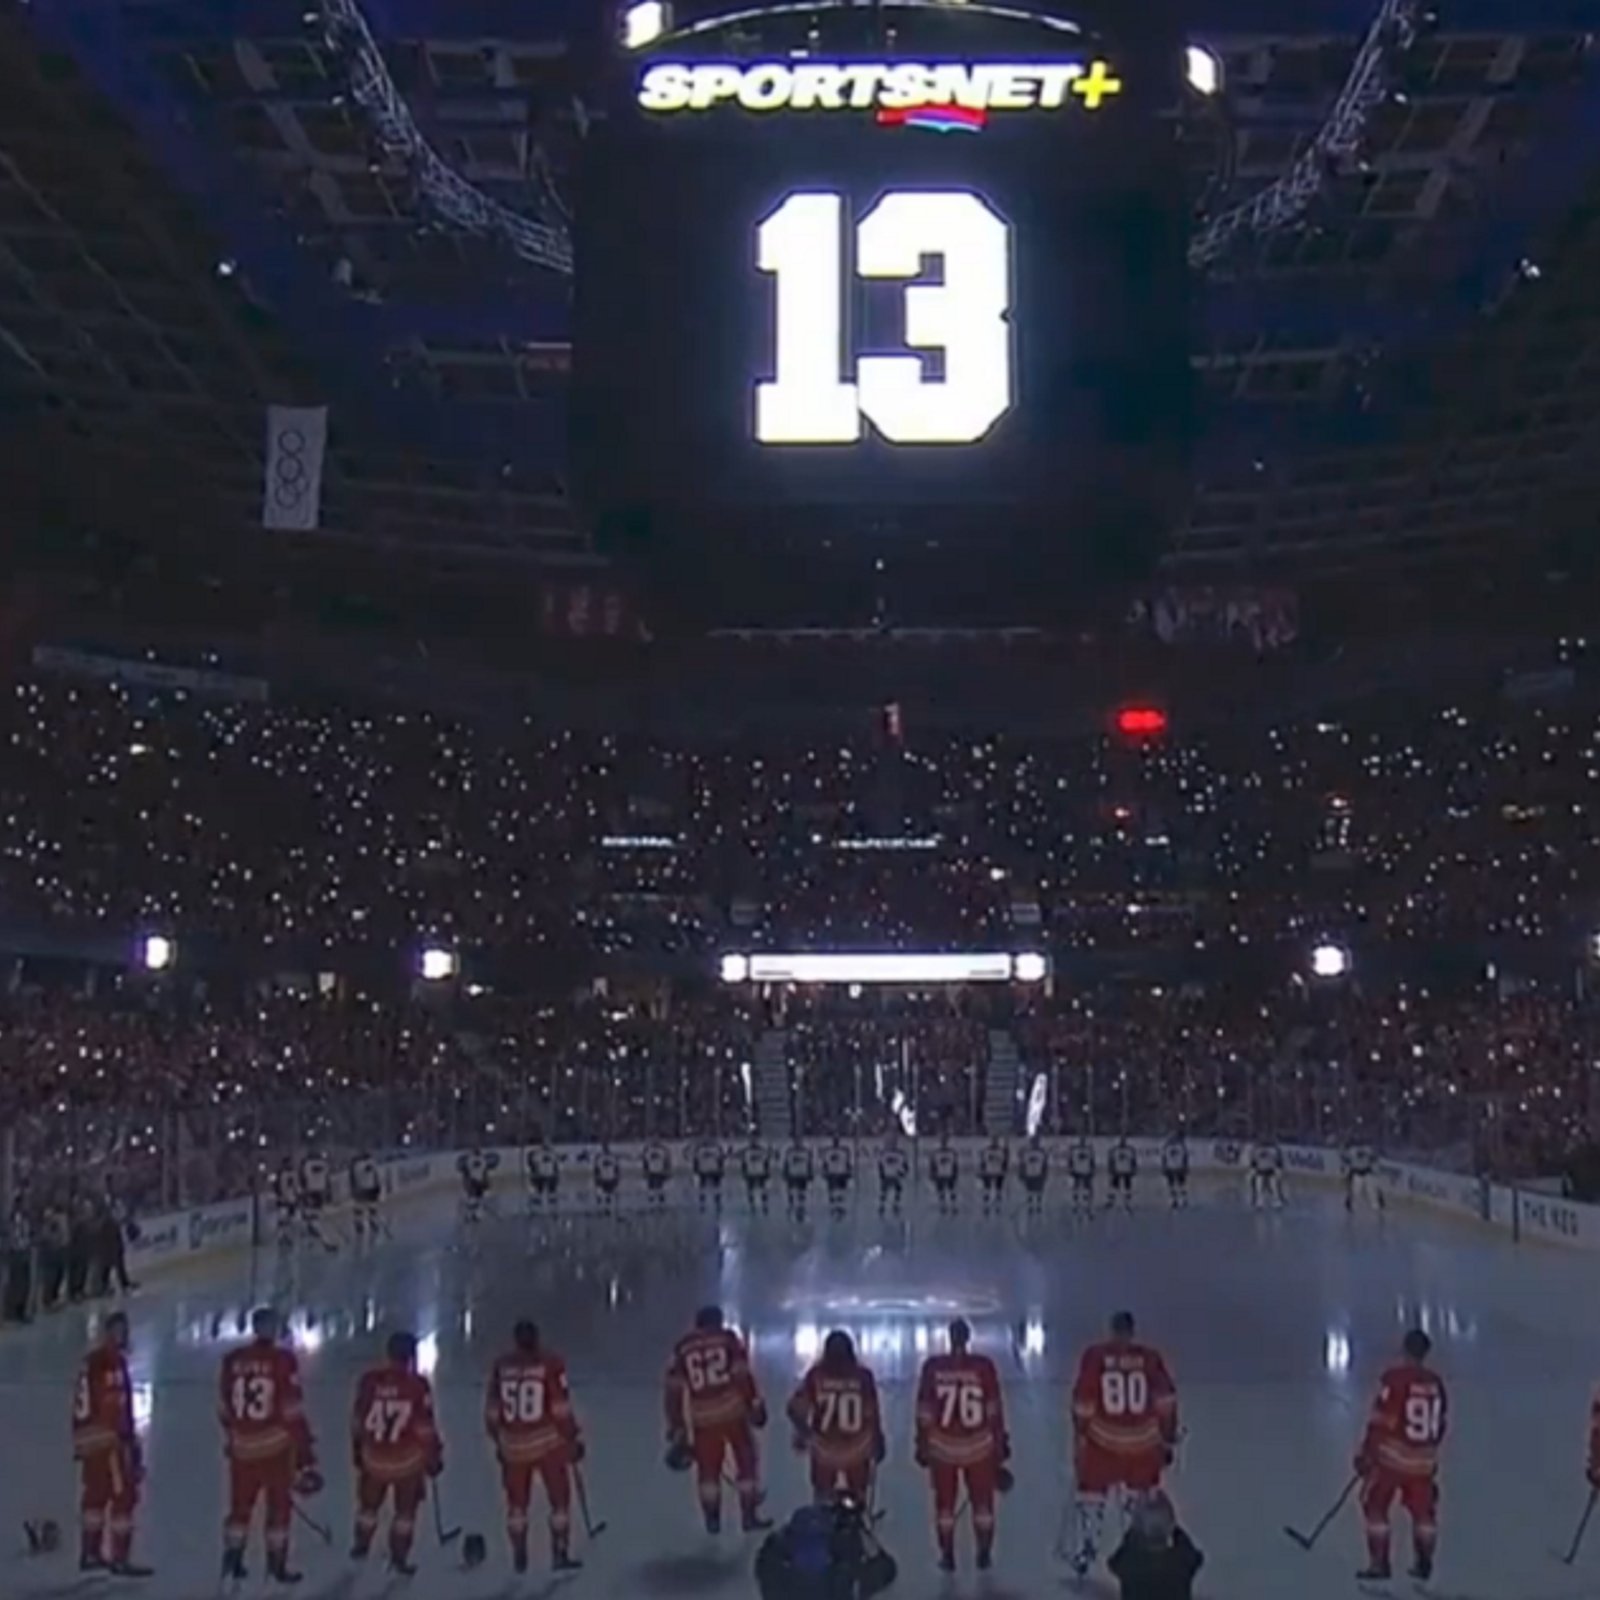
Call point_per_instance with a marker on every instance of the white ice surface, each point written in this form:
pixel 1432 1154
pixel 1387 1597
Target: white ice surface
pixel 1276 1327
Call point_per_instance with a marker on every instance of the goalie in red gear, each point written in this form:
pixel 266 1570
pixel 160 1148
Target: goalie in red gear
pixel 528 1414
pixel 713 1409
pixel 396 1447
pixel 267 1442
pixel 836 1420
pixel 1400 1458
pixel 961 1437
pixel 1124 1428
pixel 106 1448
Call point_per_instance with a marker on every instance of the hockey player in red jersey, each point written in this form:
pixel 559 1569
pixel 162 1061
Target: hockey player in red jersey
pixel 837 1422
pixel 1400 1458
pixel 961 1437
pixel 713 1409
pixel 396 1448
pixel 528 1413
pixel 268 1444
pixel 1124 1427
pixel 106 1449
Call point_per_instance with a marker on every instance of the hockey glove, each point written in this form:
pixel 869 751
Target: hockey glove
pixel 308 1481
pixel 758 1413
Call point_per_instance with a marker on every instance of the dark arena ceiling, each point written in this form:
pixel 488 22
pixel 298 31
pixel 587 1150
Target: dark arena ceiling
pixel 206 205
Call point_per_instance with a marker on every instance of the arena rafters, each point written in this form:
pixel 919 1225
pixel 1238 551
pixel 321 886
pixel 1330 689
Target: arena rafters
pixel 392 241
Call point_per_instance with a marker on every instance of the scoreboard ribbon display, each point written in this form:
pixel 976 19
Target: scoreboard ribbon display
pixel 902 285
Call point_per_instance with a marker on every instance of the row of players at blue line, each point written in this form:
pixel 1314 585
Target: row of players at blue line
pixel 798 1166
pixel 302 1191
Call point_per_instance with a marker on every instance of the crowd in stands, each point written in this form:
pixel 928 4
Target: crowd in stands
pixel 320 827
pixel 302 838
pixel 850 1075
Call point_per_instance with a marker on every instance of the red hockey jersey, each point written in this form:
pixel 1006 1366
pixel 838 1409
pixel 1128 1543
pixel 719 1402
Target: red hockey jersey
pixel 837 1412
pixel 709 1382
pixel 260 1405
pixel 1408 1422
pixel 1124 1400
pixel 960 1415
pixel 528 1409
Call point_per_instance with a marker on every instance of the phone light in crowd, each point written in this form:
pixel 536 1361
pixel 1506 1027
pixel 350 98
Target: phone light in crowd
pixel 644 23
pixel 157 953
pixel 1330 961
pixel 438 964
pixel 1141 722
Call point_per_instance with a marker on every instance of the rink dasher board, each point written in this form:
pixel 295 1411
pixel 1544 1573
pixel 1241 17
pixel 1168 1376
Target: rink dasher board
pixel 173 1239
pixel 204 1232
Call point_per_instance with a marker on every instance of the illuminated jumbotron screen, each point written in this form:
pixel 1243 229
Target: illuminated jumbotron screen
pixel 882 278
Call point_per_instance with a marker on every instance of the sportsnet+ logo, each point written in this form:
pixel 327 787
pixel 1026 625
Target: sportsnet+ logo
pixel 945 96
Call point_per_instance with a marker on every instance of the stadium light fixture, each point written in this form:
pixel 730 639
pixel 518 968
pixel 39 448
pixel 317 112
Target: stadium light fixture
pixel 157 952
pixel 1330 961
pixel 644 23
pixel 438 964
pixel 1203 67
pixel 1029 967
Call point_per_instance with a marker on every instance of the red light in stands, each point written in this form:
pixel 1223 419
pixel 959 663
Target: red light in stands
pixel 1141 722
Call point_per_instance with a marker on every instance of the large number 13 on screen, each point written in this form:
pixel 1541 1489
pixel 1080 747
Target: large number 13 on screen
pixel 966 316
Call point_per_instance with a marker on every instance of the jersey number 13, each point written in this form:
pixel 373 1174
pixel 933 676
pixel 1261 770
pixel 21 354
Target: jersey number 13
pixel 966 316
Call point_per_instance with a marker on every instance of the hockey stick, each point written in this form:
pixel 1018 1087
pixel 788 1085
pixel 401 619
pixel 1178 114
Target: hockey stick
pixel 1307 1540
pixel 875 1512
pixel 1064 1531
pixel 447 1536
pixel 1583 1528
pixel 320 1529
pixel 591 1528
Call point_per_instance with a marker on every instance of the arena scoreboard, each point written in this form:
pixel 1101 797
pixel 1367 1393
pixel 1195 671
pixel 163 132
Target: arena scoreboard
pixel 884 277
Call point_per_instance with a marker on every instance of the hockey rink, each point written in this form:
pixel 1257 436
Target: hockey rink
pixel 1276 1327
